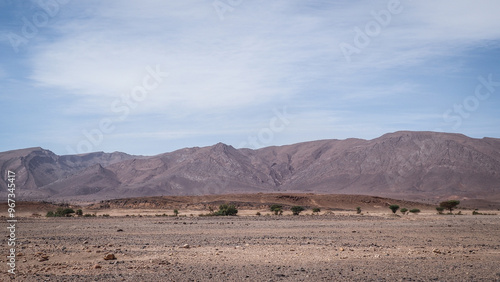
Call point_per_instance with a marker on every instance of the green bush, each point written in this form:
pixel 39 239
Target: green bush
pixel 176 212
pixel 277 209
pixel 358 210
pixel 226 210
pixel 79 212
pixel 296 210
pixel 316 210
pixel 60 212
pixel 414 210
pixel 440 210
pixel 403 210
pixel 394 208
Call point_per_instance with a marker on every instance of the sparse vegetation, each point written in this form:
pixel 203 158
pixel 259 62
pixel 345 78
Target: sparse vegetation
pixel 403 210
pixel 79 212
pixel 316 210
pixel 296 210
pixel 475 212
pixel 176 212
pixel 440 210
pixel 449 205
pixel 226 210
pixel 415 211
pixel 257 214
pixel 277 209
pixel 358 210
pixel 394 208
pixel 60 212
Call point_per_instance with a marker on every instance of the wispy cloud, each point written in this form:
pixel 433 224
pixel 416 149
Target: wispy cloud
pixel 264 54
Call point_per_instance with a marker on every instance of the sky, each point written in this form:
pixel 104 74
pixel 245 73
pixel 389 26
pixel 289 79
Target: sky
pixel 148 77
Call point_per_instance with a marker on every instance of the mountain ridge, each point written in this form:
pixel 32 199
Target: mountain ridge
pixel 403 164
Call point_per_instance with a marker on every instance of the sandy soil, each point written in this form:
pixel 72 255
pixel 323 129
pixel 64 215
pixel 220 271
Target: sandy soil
pixel 332 247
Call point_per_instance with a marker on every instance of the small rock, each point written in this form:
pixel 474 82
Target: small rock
pixel 97 266
pixel 109 257
pixel 119 230
pixel 185 246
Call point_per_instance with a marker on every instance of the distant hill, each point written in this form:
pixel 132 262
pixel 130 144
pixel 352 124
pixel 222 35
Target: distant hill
pixel 405 165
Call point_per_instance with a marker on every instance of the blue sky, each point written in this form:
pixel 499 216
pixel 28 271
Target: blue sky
pixel 146 77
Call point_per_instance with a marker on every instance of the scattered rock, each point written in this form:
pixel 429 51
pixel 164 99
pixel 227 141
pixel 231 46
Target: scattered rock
pixel 185 246
pixel 96 266
pixel 109 257
pixel 119 230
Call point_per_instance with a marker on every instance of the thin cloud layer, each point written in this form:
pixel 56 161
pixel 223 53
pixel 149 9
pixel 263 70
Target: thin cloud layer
pixel 227 74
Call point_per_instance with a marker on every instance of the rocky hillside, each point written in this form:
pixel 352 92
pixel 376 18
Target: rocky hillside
pixel 409 165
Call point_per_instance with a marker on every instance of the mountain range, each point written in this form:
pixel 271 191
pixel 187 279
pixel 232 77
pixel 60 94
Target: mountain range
pixel 404 164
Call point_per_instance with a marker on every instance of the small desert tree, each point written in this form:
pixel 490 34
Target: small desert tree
pixel 176 212
pixel 358 210
pixel 394 208
pixel 296 210
pixel 277 209
pixel 440 210
pixel 403 210
pixel 449 205
pixel 79 212
pixel 226 209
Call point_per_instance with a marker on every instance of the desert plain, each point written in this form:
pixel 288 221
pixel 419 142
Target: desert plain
pixel 150 244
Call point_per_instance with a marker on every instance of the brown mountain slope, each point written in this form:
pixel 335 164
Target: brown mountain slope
pixel 410 165
pixel 420 164
pixel 36 168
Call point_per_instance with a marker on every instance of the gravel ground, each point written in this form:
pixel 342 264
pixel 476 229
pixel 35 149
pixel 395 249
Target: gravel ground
pixel 267 248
